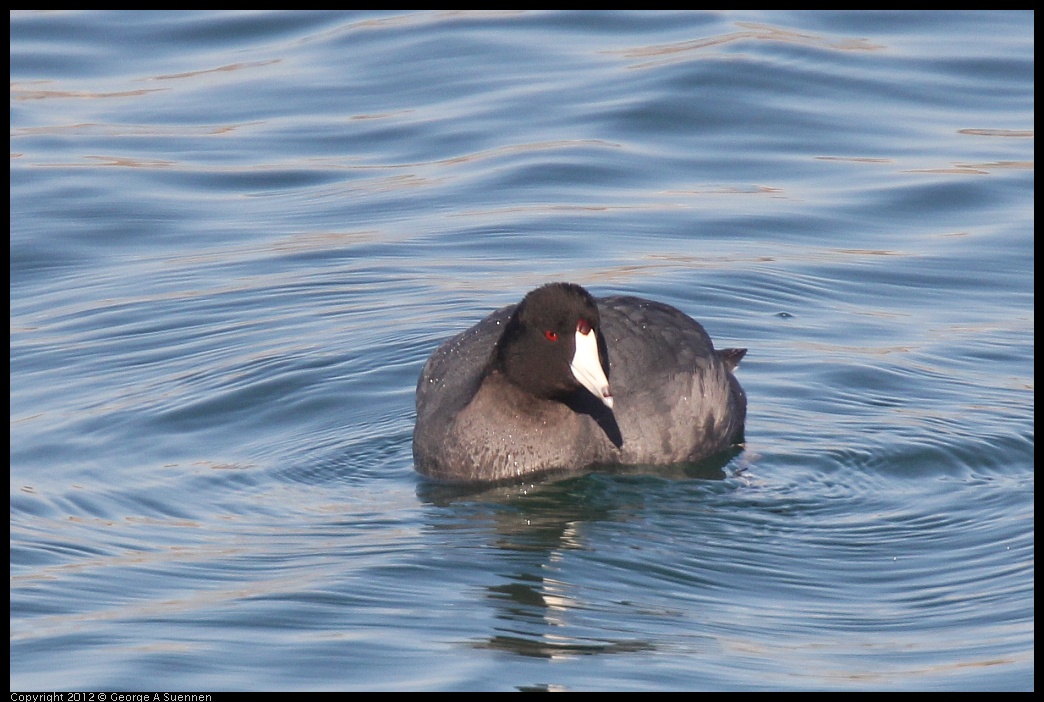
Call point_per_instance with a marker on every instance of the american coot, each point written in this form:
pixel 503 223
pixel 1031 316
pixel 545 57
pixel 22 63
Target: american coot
pixel 563 381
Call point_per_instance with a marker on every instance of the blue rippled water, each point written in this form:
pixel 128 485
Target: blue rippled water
pixel 236 237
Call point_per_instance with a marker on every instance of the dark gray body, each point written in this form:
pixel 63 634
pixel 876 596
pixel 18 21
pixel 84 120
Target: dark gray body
pixel 675 400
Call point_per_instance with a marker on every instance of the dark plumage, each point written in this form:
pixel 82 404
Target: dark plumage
pixel 524 391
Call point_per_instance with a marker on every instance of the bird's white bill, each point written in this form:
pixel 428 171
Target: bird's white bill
pixel 587 369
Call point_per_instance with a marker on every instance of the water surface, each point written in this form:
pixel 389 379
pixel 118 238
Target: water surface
pixel 236 237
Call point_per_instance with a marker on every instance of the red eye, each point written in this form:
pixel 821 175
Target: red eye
pixel 550 335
